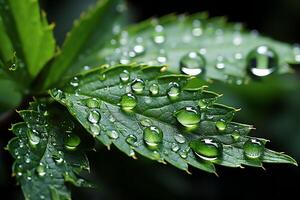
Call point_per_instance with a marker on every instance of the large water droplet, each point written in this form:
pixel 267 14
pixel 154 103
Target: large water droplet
pixel 131 140
pixel 221 125
pixel 72 141
pixel 173 91
pixel 179 138
pixel 128 101
pixel 262 61
pixel 253 148
pixel 192 64
pixel 154 89
pixel 41 170
pixel 207 148
pixel 188 116
pixel 153 136
pixel 95 129
pixel 92 103
pixel 138 86
pixel 94 117
pixel 113 134
pixel 125 76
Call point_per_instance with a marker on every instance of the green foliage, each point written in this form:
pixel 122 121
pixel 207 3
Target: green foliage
pixel 145 107
pixel 119 105
pixel 43 161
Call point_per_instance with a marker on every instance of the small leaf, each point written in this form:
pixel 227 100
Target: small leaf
pixel 87 36
pixel 43 162
pixel 174 124
pixel 198 46
pixel 29 33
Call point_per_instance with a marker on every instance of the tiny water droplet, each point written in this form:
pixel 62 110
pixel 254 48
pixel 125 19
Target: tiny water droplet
pixel 102 77
pixel 175 147
pixel 220 64
pixel 153 137
pixel 158 36
pixel 128 101
pixel 221 125
pixel 95 129
pixel 72 141
pixel 237 39
pixel 155 155
pixel 202 104
pixel 41 170
pixel 75 82
pixel 253 148
pixel 154 89
pixel 125 76
pixel 262 61
pixel 138 86
pixel 58 157
pixel 139 49
pixel 173 91
pixel 131 140
pixel 192 64
pixel 207 148
pixel 94 117
pixel 235 136
pixel 113 134
pixel 59 94
pixel 146 122
pixel 179 138
pixel 184 153
pixel 188 116
pixel 92 103
pixel 12 67
pixel 33 139
pixel 197 28
pixel 27 160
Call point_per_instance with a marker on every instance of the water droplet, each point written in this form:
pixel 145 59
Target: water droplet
pixel 188 116
pixel 235 136
pixel 94 117
pixel 253 149
pixel 33 139
pixel 58 157
pixel 58 94
pixel 12 67
pixel 139 49
pixel 113 134
pixel 92 103
pixel 112 119
pixel 197 29
pixel 27 160
pixel 128 101
pixel 262 61
pixel 207 149
pixel 138 86
pixel 131 140
pixel 72 141
pixel 154 89
pixel 75 82
pixel 237 39
pixel 146 122
pixel 179 138
pixel 158 36
pixel 202 104
pixel 221 125
pixel 220 62
pixel 184 153
pixel 155 155
pixel 296 50
pixel 41 170
pixel 192 64
pixel 95 129
pixel 238 56
pixel 173 91
pixel 175 147
pixel 153 136
pixel 125 76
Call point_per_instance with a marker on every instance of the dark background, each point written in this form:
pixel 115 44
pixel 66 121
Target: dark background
pixel 272 105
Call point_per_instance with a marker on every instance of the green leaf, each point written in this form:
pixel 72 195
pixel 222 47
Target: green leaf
pixel 44 162
pixel 88 35
pixel 224 46
pixel 121 105
pixel 28 32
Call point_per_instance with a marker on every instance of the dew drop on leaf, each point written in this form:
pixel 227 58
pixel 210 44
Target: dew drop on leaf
pixel 262 61
pixel 202 104
pixel 125 76
pixel 153 137
pixel 207 148
pixel 158 35
pixel 131 140
pixel 235 136
pixel 192 64
pixel 175 147
pixel 220 64
pixel 113 134
pixel 92 103
pixel 95 129
pixel 184 153
pixel 173 91
pixel 188 116
pixel 154 89
pixel 33 139
pixel 138 86
pixel 41 170
pixel 72 141
pixel 179 138
pixel 139 49
pixel 253 148
pixel 74 82
pixel 221 125
pixel 128 101
pixel 146 122
pixel 94 117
